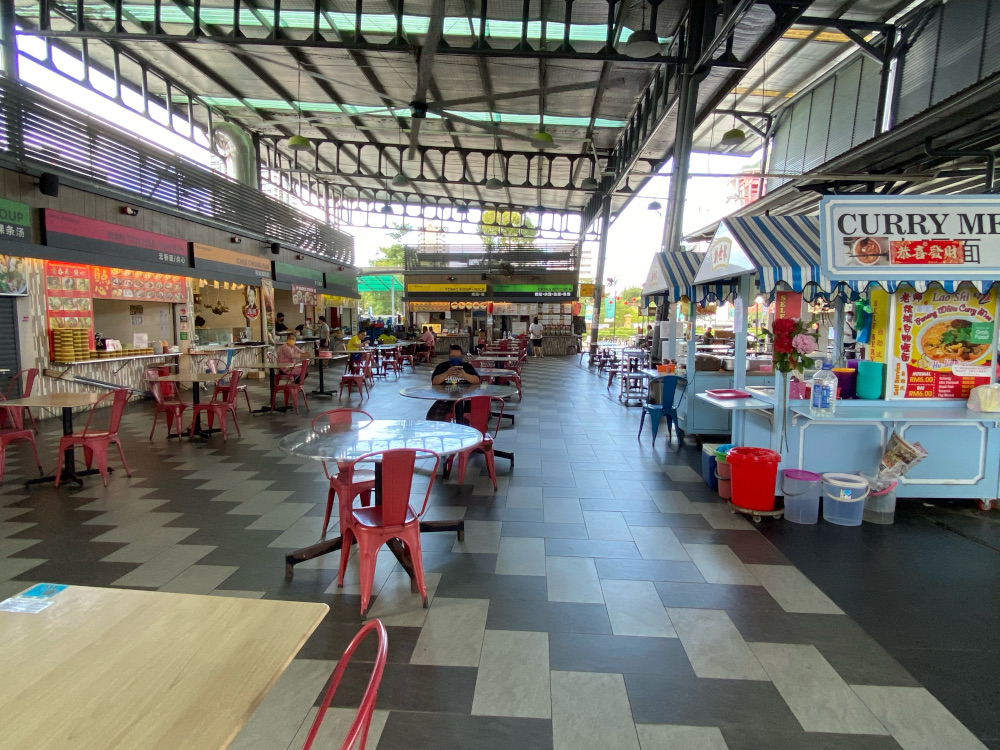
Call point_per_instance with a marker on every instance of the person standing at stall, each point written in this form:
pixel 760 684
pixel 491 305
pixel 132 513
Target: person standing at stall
pixel 536 331
pixel 323 332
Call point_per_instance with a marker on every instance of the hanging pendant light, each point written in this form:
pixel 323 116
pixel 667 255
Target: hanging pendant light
pixel 494 183
pixel 541 139
pixel 589 183
pixel 735 135
pixel 654 206
pixel 400 180
pixel 644 42
pixel 461 209
pixel 299 142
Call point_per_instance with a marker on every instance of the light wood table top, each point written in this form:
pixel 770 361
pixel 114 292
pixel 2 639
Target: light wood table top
pixel 117 668
pixel 192 377
pixel 55 400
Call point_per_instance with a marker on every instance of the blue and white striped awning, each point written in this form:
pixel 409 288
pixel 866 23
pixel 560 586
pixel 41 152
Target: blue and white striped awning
pixel 678 271
pixel 785 252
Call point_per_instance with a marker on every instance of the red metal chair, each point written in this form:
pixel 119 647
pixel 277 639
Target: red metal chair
pixel 407 357
pixel 95 443
pixel 15 418
pixel 354 376
pixel 294 387
pixel 173 408
pixel 362 721
pixel 217 365
pixel 476 412
pixel 11 392
pixel 390 518
pixel 422 355
pixel 390 361
pixel 220 409
pixel 347 483
pixel 367 362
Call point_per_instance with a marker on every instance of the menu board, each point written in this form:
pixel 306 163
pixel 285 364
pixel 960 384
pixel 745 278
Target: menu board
pixel 118 283
pixel 303 295
pixel 942 344
pixel 13 279
pixel 68 297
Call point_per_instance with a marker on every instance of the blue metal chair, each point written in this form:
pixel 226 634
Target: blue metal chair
pixel 671 392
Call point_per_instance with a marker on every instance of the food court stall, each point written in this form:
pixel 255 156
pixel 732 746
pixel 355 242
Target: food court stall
pixel 671 281
pixel 929 338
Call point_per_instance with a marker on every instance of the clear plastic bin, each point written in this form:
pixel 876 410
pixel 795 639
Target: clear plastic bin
pixel 802 490
pixel 880 505
pixel 843 498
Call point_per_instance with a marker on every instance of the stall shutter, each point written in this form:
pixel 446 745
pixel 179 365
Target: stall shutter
pixel 9 359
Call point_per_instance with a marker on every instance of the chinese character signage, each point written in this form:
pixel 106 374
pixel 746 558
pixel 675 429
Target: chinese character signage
pixel 111 240
pixel 68 297
pixel 15 221
pixel 939 237
pixel 448 288
pixel 123 283
pixel 217 259
pixel 725 259
pixel 942 344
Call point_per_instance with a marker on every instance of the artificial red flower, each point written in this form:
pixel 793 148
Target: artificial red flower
pixel 783 345
pixel 784 326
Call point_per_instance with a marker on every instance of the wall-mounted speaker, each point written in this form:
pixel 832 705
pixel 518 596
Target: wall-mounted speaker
pixel 48 184
pixel 275 248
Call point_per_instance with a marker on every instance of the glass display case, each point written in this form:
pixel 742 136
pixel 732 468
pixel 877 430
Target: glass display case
pixel 213 336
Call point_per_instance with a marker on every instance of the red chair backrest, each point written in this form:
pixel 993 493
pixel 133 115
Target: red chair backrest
pixel 336 417
pixel 477 410
pixel 270 357
pixel 154 386
pixel 299 376
pixel 16 416
pixel 234 386
pixel 216 365
pixel 119 399
pixel 29 383
pixel 363 719
pixel 397 479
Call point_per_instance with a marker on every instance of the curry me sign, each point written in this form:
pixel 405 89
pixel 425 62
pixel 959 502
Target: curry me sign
pixel 930 237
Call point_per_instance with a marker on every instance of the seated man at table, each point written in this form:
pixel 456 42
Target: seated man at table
pixel 454 370
pixel 289 353
pixel 427 337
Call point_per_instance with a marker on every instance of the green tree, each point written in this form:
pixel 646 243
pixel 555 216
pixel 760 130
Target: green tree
pixel 623 306
pixel 380 303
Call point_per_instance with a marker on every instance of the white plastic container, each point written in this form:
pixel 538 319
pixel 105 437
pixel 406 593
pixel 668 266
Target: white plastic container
pixel 824 393
pixel 880 505
pixel 844 498
pixel 802 490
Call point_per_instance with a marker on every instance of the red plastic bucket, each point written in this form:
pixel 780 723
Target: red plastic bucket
pixel 755 472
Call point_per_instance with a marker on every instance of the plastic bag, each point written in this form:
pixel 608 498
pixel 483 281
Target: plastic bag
pixel 985 398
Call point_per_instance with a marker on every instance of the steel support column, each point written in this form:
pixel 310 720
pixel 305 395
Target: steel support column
pixel 602 253
pixel 8 41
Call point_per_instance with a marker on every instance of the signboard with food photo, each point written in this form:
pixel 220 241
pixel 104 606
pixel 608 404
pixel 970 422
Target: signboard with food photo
pixel 942 344
pixel 939 237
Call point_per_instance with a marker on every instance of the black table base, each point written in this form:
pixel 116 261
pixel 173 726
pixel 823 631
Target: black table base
pixel 69 472
pixel 322 391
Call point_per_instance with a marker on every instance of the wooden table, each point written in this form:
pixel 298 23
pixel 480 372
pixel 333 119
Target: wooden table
pixel 195 379
pixel 67 402
pixel 125 669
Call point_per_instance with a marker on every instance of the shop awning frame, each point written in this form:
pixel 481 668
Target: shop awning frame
pixel 673 274
pixel 384 283
pixel 785 251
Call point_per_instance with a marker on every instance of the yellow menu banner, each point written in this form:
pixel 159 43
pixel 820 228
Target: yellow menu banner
pixel 258 266
pixel 942 343
pixel 447 288
pixel 877 345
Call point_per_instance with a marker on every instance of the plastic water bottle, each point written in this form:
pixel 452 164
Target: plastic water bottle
pixel 824 392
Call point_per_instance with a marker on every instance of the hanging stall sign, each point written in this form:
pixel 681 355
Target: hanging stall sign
pixel 123 283
pixel 15 221
pixel 725 258
pixel 942 344
pixel 68 296
pixel 303 295
pixel 110 240
pixel 878 340
pixel 475 289
pixel 429 306
pixel 609 309
pixel 787 305
pixel 537 290
pixel 229 263
pixel 13 276
pixel 939 237
pixel 587 290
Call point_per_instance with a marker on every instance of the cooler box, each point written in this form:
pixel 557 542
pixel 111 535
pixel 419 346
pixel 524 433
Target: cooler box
pixel 708 463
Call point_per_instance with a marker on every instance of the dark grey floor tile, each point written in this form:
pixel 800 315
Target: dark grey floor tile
pixel 648 570
pixel 332 636
pixel 493 587
pixel 546 616
pixel 546 530
pixel 520 515
pixel 778 626
pixel 576 652
pixel 862 661
pixel 410 687
pixel 674 520
pixel 639 505
pixel 749 546
pixel 590 548
pixel 715 596
pixel 743 738
pixel 696 701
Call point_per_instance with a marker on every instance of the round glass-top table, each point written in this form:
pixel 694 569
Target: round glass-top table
pixel 344 443
pixel 445 392
pixel 351 441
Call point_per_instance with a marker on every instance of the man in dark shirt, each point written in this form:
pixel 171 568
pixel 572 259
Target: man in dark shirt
pixel 454 369
pixel 279 323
